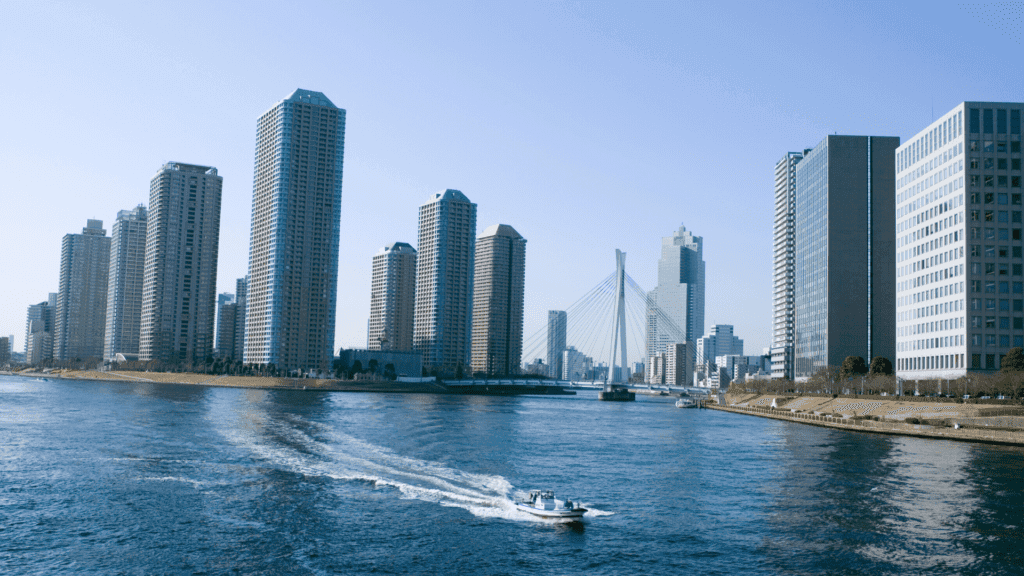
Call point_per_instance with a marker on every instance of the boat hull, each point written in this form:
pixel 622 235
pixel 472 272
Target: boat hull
pixel 556 514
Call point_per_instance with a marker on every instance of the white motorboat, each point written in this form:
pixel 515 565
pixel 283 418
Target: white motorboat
pixel 685 403
pixel 542 503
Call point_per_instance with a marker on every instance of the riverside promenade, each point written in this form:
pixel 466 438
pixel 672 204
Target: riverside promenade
pixel 885 426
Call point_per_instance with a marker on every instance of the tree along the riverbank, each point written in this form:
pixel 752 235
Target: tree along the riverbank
pixel 829 380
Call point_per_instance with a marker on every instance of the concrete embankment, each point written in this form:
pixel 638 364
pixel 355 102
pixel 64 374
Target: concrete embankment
pixel 885 426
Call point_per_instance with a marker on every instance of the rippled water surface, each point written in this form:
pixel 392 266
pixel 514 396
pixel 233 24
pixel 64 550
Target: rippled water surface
pixel 103 478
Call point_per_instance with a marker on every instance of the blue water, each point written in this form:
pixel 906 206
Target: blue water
pixel 102 478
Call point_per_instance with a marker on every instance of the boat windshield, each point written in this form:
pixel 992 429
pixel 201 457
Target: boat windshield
pixel 547 495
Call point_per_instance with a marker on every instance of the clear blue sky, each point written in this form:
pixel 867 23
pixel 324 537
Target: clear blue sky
pixel 588 126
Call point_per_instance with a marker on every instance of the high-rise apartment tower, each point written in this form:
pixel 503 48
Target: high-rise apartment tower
pixel 845 289
pixel 296 219
pixel 499 285
pixel 784 269
pixel 959 263
pixel 392 298
pixel 81 313
pixel 124 283
pixel 444 282
pixel 179 290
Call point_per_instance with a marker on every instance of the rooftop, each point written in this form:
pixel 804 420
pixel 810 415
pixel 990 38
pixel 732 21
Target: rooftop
pixel 449 195
pixel 500 230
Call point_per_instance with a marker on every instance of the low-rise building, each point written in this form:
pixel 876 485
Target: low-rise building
pixel 378 362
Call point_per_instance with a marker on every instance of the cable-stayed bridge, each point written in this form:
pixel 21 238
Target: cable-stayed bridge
pixel 612 324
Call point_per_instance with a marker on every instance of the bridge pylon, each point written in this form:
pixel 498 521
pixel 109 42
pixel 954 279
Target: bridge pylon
pixel 615 386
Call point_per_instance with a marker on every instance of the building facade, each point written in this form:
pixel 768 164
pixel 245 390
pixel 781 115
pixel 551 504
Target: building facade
pixel 575 364
pixel 557 324
pixel 179 289
pixel 498 288
pixel 80 318
pixel 959 242
pixel 291 301
pixel 387 364
pixel 784 269
pixel 124 283
pixel 392 298
pixel 40 347
pixel 845 291
pixel 719 341
pixel 442 322
pixel 241 287
pixel 675 308
pixel 227 316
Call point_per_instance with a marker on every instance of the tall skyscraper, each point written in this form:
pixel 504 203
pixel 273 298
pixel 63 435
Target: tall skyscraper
pixel 444 282
pixel 82 295
pixel 124 283
pixel 498 287
pixel 296 219
pixel 675 312
pixel 959 261
pixel 845 252
pixel 5 350
pixel 784 271
pixel 557 323
pixel 241 288
pixel 39 335
pixel 179 290
pixel 392 298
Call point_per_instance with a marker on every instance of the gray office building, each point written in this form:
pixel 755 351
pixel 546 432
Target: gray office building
pixel 291 300
pixel 557 324
pixel 845 290
pixel 81 315
pixel 124 284
pixel 179 293
pixel 675 307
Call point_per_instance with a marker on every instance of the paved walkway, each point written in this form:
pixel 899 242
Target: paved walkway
pixel 884 427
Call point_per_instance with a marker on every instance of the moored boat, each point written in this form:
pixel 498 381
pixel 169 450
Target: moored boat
pixel 685 403
pixel 542 503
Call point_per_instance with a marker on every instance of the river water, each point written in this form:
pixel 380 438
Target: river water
pixel 110 478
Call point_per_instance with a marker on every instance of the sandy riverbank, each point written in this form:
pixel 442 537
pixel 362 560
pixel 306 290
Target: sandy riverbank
pixel 379 386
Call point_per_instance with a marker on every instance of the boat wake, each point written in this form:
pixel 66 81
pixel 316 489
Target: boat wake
pixel 313 449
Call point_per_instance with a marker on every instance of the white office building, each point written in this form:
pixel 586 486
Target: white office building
pixel 960 288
